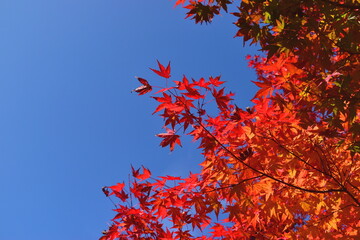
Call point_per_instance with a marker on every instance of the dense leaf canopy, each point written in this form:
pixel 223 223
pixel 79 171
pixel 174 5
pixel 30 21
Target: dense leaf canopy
pixel 286 168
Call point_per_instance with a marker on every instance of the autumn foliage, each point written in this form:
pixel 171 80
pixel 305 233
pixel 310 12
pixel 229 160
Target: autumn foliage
pixel 286 168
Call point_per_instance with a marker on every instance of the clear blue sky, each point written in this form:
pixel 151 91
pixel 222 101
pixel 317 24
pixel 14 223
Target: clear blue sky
pixel 68 121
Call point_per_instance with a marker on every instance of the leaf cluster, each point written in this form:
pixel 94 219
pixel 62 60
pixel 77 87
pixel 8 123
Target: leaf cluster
pixel 286 168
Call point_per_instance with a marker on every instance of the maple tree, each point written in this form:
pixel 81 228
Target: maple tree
pixel 286 168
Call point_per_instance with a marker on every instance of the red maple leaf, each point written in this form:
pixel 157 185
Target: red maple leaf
pixel 117 188
pixel 145 88
pixel 122 195
pixel 163 72
pixel 202 83
pixel 111 234
pixel 215 81
pixel 145 175
pixel 178 2
pixel 193 93
pixel 170 138
pixel 222 99
pixel 166 103
pixel 118 191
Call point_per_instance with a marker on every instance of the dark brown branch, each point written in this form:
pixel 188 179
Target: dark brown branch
pixel 350 194
pixel 265 174
pixel 353 185
pixel 344 189
pixel 295 155
pixel 236 184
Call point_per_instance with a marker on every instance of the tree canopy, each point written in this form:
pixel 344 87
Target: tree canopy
pixel 286 168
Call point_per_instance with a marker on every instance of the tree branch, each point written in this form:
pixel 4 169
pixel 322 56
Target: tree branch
pixel 325 173
pixel 295 155
pixel 341 189
pixel 236 184
pixel 265 174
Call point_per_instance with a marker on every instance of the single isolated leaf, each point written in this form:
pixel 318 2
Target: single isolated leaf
pixel 145 88
pixel 163 72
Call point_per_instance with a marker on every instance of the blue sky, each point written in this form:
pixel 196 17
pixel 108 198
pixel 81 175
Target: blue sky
pixel 68 121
